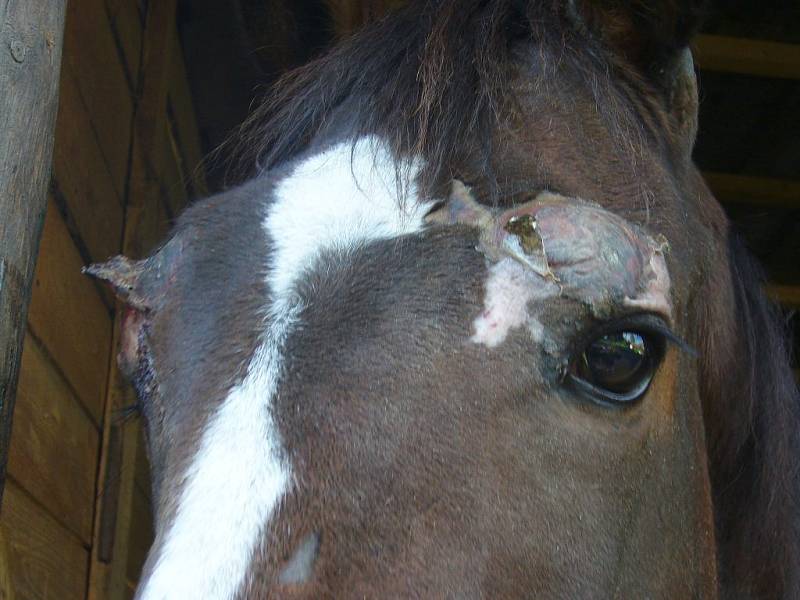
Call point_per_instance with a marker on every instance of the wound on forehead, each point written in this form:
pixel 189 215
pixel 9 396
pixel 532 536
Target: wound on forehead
pixel 557 246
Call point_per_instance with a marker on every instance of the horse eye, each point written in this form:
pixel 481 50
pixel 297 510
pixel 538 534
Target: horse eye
pixel 616 368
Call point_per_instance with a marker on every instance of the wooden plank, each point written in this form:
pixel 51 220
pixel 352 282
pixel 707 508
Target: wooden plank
pixel 787 295
pixel 31 35
pixel 142 468
pixel 126 24
pixel 130 590
pixel 55 447
pixel 108 579
pixel 349 16
pixel 152 217
pixel 141 535
pixel 747 56
pixel 92 203
pixel 151 112
pixel 174 178
pixel 6 589
pixel 115 492
pixel 91 52
pixel 68 315
pixel 47 562
pixel 756 191
pixel 187 134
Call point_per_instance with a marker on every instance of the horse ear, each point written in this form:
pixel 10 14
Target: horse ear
pixel 122 275
pixel 652 37
pixel 141 286
pixel 139 283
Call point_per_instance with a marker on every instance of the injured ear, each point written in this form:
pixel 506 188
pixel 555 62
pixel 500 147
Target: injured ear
pixel 141 286
pixel 140 283
pixel 122 275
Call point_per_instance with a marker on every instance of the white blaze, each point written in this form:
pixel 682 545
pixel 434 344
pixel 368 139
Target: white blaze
pixel 339 199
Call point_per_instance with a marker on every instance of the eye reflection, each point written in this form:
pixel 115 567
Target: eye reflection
pixel 617 367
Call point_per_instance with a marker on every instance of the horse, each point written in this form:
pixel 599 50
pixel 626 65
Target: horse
pixel 474 326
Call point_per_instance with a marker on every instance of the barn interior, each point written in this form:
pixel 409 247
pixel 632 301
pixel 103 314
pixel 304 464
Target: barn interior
pixel 148 91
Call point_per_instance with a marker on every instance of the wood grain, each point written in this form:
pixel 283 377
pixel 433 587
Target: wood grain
pixel 31 35
pixel 746 56
pixel 109 579
pixel 142 468
pixel 174 177
pixel 756 191
pixel 92 53
pixel 6 588
pixel 153 222
pixel 187 134
pixel 54 450
pixel 83 176
pixel 68 316
pixel 127 26
pixel 788 295
pixel 141 534
pixel 46 561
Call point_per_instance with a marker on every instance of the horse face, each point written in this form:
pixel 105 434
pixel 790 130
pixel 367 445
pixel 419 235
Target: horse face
pixel 351 388
pixel 358 383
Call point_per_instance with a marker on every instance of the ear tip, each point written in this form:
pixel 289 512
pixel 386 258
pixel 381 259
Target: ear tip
pixel 114 268
pixel 94 270
pixel 122 275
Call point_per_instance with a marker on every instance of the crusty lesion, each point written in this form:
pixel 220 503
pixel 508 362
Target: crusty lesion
pixel 572 246
pixel 502 234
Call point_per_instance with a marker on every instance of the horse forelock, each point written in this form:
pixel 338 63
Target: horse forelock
pixel 434 80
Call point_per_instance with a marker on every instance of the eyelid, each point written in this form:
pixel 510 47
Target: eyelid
pixel 645 322
pixel 651 323
pixel 601 396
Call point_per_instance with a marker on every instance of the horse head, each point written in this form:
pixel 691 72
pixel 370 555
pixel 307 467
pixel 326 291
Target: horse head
pixel 475 328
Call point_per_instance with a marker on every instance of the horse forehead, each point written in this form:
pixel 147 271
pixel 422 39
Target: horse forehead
pixel 340 199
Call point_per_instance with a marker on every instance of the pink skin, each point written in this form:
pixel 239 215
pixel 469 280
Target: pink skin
pixel 586 253
pixel 130 329
pixel 509 290
pixel 600 257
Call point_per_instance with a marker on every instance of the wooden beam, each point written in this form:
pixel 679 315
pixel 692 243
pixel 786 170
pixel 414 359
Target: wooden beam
pixel 747 57
pixel 755 191
pixel 31 35
pixel 787 295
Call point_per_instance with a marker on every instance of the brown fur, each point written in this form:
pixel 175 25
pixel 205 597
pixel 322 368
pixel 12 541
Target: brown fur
pixel 480 484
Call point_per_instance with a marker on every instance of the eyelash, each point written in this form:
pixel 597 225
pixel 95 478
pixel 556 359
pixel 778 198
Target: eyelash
pixel 647 323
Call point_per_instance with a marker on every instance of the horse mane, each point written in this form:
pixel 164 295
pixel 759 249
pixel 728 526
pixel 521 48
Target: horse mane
pixel 398 78
pixel 431 79
pixel 752 415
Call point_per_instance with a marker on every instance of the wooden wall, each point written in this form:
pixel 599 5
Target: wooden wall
pixel 76 513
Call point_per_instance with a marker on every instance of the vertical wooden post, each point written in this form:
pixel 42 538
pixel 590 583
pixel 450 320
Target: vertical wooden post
pixel 31 34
